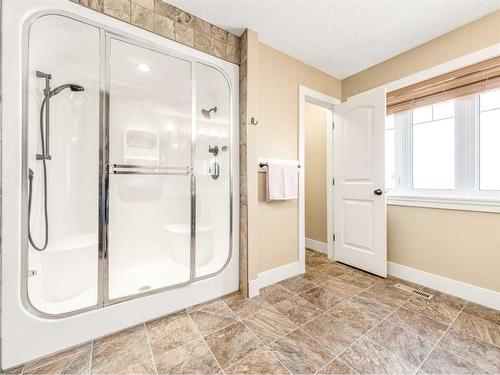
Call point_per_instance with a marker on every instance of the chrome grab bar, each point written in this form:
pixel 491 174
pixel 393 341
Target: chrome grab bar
pixel 149 170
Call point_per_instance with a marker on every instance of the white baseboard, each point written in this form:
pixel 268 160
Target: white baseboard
pixel 273 276
pixel 485 297
pixel 322 247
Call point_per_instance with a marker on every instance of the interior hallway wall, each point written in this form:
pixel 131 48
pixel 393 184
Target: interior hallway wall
pixel 460 245
pixel 315 172
pixel 277 137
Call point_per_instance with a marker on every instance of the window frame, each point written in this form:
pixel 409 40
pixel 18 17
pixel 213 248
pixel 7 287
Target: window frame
pixel 467 194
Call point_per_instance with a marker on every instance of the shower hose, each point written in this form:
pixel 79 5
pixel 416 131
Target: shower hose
pixel 30 190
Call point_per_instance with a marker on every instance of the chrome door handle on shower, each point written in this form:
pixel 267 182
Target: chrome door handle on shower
pixel 148 170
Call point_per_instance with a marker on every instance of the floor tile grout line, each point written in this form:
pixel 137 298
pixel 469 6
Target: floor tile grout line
pixel 336 358
pixel 242 322
pixel 150 348
pixel 218 329
pixel 185 343
pixel 205 342
pixel 307 333
pixel 361 290
pixel 367 332
pixel 361 334
pixel 322 313
pixel 91 355
pixel 301 328
pixel 174 348
pixel 470 335
pixel 417 313
pixel 430 317
pixel 353 269
pixel 268 305
pixel 53 361
pixel 388 316
pixel 463 359
pixel 264 346
pixel 281 336
pixel 440 339
pixel 365 335
pixel 385 319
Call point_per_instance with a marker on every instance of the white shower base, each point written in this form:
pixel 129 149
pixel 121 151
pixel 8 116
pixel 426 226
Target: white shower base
pixel 50 294
pixel 56 284
pixel 154 274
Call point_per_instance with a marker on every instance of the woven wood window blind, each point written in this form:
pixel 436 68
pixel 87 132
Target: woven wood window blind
pixel 470 80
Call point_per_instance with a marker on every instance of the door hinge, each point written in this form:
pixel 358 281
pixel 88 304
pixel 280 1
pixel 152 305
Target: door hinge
pixel 334 238
pixel 333 181
pixel 333 125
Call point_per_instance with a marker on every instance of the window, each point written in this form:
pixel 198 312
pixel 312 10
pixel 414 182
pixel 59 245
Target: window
pixel 433 146
pixel 389 153
pixel 489 141
pixel 448 150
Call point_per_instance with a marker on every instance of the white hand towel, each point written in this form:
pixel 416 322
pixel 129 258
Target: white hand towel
pixel 282 180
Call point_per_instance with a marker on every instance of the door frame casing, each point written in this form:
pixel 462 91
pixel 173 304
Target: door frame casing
pixel 307 95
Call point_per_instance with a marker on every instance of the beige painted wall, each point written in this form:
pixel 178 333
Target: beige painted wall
pixel 474 36
pixel 277 134
pixel 460 245
pixel 315 172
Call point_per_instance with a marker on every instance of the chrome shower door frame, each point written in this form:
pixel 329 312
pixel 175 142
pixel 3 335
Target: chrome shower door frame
pixel 104 251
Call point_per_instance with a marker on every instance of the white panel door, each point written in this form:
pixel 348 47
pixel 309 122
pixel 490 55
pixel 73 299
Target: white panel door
pixel 359 191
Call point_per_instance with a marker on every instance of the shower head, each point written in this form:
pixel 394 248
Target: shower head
pixel 206 112
pixel 70 86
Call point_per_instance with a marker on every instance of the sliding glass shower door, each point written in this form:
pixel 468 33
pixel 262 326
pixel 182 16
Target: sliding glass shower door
pixel 149 193
pixel 135 193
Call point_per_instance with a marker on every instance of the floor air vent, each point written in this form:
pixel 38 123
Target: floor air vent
pixel 417 292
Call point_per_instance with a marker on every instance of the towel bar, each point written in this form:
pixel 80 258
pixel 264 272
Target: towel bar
pixel 262 165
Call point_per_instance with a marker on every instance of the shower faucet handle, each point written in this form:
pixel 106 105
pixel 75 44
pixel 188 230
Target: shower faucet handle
pixel 213 150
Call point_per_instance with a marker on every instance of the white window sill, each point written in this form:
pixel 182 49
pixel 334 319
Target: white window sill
pixel 449 203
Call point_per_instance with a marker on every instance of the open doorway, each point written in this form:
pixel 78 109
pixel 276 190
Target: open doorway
pixel 316 227
pixel 316 222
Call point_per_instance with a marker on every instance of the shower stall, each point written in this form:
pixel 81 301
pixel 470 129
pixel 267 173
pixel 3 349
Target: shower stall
pixel 127 174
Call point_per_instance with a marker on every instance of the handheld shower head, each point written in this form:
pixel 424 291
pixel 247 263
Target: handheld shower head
pixel 206 112
pixel 71 86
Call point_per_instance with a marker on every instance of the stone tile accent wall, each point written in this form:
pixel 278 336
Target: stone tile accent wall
pixel 1 131
pixel 170 22
pixel 243 169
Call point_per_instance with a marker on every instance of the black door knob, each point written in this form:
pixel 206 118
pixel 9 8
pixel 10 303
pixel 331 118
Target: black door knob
pixel 378 192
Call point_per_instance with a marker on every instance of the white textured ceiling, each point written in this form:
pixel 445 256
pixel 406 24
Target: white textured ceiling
pixel 341 37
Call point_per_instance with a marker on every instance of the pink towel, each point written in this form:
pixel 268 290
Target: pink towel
pixel 282 180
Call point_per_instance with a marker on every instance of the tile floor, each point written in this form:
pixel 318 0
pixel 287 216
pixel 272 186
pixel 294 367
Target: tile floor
pixel 331 320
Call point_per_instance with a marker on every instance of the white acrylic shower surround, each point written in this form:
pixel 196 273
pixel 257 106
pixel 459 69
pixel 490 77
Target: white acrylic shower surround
pixel 143 282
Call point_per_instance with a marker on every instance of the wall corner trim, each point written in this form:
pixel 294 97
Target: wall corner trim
pixel 274 276
pixel 482 296
pixel 322 247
